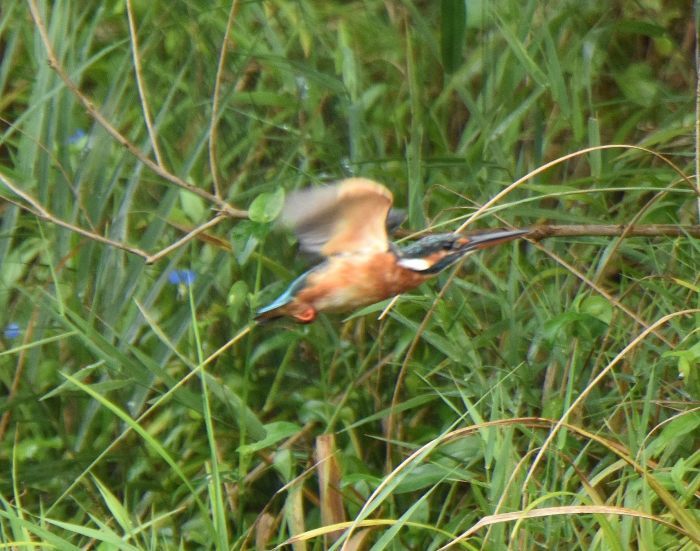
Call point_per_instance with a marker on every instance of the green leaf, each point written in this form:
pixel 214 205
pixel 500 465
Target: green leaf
pixel 595 157
pixel 266 206
pixel 283 462
pixel 674 432
pixel 688 367
pixel 423 476
pixel 553 407
pixel 117 510
pixel 573 324
pixel 598 307
pixel 237 296
pixel 275 432
pixel 193 206
pixel 521 53
pixel 687 284
pixel 638 84
pixel 453 24
pixel 244 240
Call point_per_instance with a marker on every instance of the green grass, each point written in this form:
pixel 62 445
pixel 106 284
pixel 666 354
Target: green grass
pixel 521 401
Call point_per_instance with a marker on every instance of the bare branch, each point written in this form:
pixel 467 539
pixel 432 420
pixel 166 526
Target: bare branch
pixel 613 230
pixel 139 83
pixel 697 107
pixel 191 235
pixel 214 126
pixel 222 205
pixel 496 198
pixel 38 210
pixel 543 231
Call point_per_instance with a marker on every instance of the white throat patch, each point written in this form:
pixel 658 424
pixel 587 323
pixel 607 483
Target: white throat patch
pixel 415 264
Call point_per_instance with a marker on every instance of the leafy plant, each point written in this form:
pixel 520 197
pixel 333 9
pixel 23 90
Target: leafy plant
pixel 529 398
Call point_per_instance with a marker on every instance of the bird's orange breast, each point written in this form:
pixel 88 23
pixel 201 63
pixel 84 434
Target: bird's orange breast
pixel 353 281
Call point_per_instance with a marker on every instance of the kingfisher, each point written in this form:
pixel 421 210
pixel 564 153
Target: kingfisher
pixel 347 224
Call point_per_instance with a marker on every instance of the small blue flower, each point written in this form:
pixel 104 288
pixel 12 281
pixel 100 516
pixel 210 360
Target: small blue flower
pixel 76 137
pixel 12 331
pixel 182 277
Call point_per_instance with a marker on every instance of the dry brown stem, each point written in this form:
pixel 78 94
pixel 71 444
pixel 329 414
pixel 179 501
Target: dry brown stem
pixel 613 230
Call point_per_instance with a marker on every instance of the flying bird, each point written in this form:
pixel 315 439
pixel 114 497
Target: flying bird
pixel 346 224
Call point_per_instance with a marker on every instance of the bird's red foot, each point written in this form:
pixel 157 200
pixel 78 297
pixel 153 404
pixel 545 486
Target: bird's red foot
pixel 307 315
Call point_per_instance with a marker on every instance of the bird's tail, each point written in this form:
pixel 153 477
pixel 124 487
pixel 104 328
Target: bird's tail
pixel 264 316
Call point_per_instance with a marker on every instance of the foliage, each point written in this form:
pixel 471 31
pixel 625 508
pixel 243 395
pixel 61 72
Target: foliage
pixel 126 426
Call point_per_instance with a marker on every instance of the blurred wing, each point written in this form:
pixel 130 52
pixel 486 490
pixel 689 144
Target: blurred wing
pixel 349 216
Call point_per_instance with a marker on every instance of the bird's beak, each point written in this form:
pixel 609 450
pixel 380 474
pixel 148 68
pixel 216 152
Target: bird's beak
pixel 452 247
pixel 488 239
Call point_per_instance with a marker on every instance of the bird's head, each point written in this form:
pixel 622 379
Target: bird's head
pixel 430 255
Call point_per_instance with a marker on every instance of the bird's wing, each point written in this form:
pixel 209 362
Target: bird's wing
pixel 349 216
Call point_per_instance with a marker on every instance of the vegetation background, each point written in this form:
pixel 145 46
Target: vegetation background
pixel 540 396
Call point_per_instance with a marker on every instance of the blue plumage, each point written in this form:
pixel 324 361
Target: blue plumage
pixel 287 297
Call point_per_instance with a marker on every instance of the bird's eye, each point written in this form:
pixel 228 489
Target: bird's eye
pixel 451 245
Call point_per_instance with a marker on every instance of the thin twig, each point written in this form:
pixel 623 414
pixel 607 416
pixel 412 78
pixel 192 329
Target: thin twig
pixel 569 510
pixel 38 210
pixel 160 254
pixel 538 233
pixel 392 419
pixel 624 231
pixel 612 230
pixel 697 101
pixel 598 289
pixel 102 121
pixel 496 198
pixel 139 83
pixel 586 391
pixel 543 231
pixel 214 126
pixel 18 375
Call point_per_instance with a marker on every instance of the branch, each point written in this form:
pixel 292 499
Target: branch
pixel 37 209
pixel 483 209
pixel 537 233
pixel 214 124
pixel 222 205
pixel 140 85
pixel 612 230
